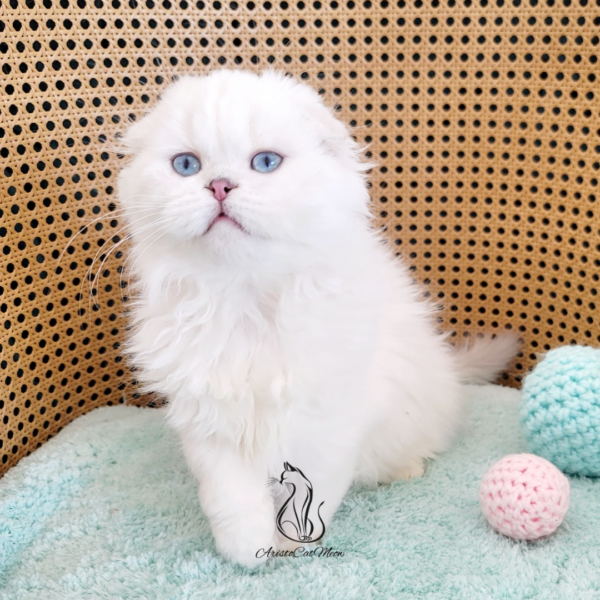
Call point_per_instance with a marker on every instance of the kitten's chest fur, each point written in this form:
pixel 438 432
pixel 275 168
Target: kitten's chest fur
pixel 200 341
pixel 217 359
pixel 241 359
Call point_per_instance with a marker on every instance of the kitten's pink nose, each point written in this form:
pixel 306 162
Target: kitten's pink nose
pixel 220 188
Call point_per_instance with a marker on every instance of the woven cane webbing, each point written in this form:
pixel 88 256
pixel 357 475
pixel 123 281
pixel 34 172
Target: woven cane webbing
pixel 483 116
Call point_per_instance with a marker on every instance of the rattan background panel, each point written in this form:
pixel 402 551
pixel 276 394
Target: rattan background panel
pixel 483 117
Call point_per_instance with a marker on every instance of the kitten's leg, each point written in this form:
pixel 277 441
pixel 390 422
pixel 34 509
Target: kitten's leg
pixel 234 496
pixel 329 487
pixel 421 420
pixel 329 464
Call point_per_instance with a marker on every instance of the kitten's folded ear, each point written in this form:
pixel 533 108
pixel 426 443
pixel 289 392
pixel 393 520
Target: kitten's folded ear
pixel 132 139
pixel 126 143
pixel 336 136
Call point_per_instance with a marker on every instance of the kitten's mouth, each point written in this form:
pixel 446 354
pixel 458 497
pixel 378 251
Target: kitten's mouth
pixel 223 218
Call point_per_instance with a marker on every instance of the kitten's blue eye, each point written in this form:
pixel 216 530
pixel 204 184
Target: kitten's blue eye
pixel 186 164
pixel 265 162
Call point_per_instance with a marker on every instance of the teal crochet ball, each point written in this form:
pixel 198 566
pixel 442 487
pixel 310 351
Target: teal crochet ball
pixel 560 413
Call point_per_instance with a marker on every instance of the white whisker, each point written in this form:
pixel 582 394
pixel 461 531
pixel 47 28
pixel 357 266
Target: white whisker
pixel 114 214
pixel 88 275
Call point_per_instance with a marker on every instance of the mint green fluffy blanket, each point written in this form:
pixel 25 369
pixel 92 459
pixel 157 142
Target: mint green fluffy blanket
pixel 107 509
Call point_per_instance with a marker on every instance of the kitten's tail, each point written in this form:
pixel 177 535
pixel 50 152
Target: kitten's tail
pixel 483 359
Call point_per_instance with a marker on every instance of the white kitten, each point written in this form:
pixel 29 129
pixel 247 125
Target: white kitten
pixel 276 322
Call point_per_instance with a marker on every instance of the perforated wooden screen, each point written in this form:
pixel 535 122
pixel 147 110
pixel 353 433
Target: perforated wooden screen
pixel 484 117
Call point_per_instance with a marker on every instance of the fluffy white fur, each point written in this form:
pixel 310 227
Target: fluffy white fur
pixel 297 337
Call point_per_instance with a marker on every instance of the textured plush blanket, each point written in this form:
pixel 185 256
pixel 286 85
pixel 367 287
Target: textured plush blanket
pixel 107 509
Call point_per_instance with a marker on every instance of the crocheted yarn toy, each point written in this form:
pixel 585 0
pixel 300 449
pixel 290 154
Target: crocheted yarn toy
pixel 524 496
pixel 560 413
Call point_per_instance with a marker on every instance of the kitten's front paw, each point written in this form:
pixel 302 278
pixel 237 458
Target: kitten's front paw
pixel 249 557
pixel 249 540
pixel 414 470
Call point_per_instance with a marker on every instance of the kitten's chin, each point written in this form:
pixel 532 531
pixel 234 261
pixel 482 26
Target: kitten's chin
pixel 223 220
pixel 227 239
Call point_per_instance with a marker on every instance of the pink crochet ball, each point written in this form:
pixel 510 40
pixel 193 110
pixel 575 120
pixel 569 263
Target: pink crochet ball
pixel 524 496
